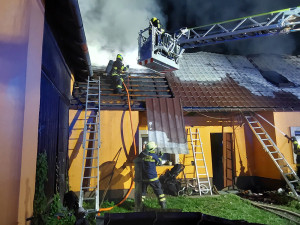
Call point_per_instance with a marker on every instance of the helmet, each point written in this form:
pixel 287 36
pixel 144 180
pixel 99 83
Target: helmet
pixel 119 56
pixel 151 146
pixel 153 19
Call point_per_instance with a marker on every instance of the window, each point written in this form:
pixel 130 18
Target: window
pixel 167 159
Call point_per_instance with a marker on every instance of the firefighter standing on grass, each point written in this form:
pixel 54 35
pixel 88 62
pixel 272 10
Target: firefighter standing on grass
pixel 117 72
pixel 296 146
pixel 149 162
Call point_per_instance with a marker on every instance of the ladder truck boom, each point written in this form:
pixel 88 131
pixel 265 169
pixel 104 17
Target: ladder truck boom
pixel 163 55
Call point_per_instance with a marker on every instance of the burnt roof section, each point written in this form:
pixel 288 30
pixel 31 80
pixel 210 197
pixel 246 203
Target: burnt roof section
pixel 141 86
pixel 64 18
pixel 215 82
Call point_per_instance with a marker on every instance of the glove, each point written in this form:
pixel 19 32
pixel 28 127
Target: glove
pixel 160 154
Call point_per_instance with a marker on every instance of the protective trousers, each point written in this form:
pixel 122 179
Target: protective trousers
pixel 117 83
pixel 156 186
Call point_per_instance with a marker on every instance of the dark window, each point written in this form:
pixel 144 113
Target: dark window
pixel 276 78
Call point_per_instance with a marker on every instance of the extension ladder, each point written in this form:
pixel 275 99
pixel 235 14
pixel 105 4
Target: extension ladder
pixel 273 151
pixel 89 186
pixel 199 163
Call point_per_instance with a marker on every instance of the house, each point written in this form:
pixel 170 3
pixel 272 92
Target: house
pixel 211 92
pixel 39 59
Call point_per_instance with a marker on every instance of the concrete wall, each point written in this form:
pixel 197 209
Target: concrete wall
pixel 21 35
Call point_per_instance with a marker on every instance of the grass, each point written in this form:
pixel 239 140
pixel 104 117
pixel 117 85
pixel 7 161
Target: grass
pixel 227 206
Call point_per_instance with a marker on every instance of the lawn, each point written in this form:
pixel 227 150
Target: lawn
pixel 227 206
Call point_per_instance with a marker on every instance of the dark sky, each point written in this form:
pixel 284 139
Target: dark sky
pixel 191 13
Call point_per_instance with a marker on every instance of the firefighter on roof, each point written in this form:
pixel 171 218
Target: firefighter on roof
pixel 117 73
pixel 296 146
pixel 149 162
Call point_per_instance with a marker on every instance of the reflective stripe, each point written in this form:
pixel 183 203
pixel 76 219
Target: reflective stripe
pixel 119 86
pixel 121 79
pixel 162 199
pixel 153 179
pixel 161 196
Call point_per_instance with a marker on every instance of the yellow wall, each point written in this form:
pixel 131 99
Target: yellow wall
pixel 115 136
pixel 249 160
pixel 21 37
pixel 263 164
pixel 283 121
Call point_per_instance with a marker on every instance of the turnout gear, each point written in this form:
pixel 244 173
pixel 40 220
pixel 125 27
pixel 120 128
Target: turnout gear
pixel 149 162
pixel 156 23
pixel 117 72
pixel 296 147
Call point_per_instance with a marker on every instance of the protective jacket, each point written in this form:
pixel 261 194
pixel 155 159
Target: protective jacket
pixel 296 146
pixel 150 160
pixel 117 67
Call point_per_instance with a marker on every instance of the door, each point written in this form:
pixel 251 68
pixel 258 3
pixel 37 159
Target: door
pixel 217 160
pixel 222 159
pixel 228 159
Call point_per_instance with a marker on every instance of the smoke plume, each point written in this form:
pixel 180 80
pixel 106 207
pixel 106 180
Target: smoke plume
pixel 112 27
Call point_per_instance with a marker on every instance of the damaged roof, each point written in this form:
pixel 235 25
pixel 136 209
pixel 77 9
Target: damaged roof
pixel 216 82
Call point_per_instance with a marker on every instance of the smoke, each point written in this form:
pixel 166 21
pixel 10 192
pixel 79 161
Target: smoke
pixel 112 27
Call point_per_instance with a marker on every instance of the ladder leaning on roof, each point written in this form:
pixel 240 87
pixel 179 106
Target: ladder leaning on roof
pixel 91 146
pixel 273 151
pixel 199 163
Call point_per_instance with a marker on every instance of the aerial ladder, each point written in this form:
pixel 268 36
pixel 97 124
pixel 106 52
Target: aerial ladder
pixel 161 51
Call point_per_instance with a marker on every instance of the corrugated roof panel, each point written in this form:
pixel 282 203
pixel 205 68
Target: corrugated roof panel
pixel 166 125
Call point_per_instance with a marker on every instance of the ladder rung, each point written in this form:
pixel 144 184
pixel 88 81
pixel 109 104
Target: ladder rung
pixel 91 123
pixel 260 133
pixel 294 181
pixel 269 145
pixel 274 152
pixel 200 174
pixel 91 101
pixel 201 166
pixel 88 198
pixel 91 131
pixel 88 187
pixel 199 159
pixel 253 122
pixel 197 145
pixel 91 140
pixel 91 167
pixel 90 148
pixel 94 88
pixel 256 127
pixel 288 174
pixel 203 182
pixel 278 159
pixel 265 139
pixel 91 108
pixel 93 94
pixel 91 157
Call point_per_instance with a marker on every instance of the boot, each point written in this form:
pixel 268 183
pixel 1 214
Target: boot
pixel 163 204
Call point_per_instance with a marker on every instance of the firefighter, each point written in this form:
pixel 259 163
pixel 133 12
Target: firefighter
pixel 296 146
pixel 117 73
pixel 156 23
pixel 149 162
